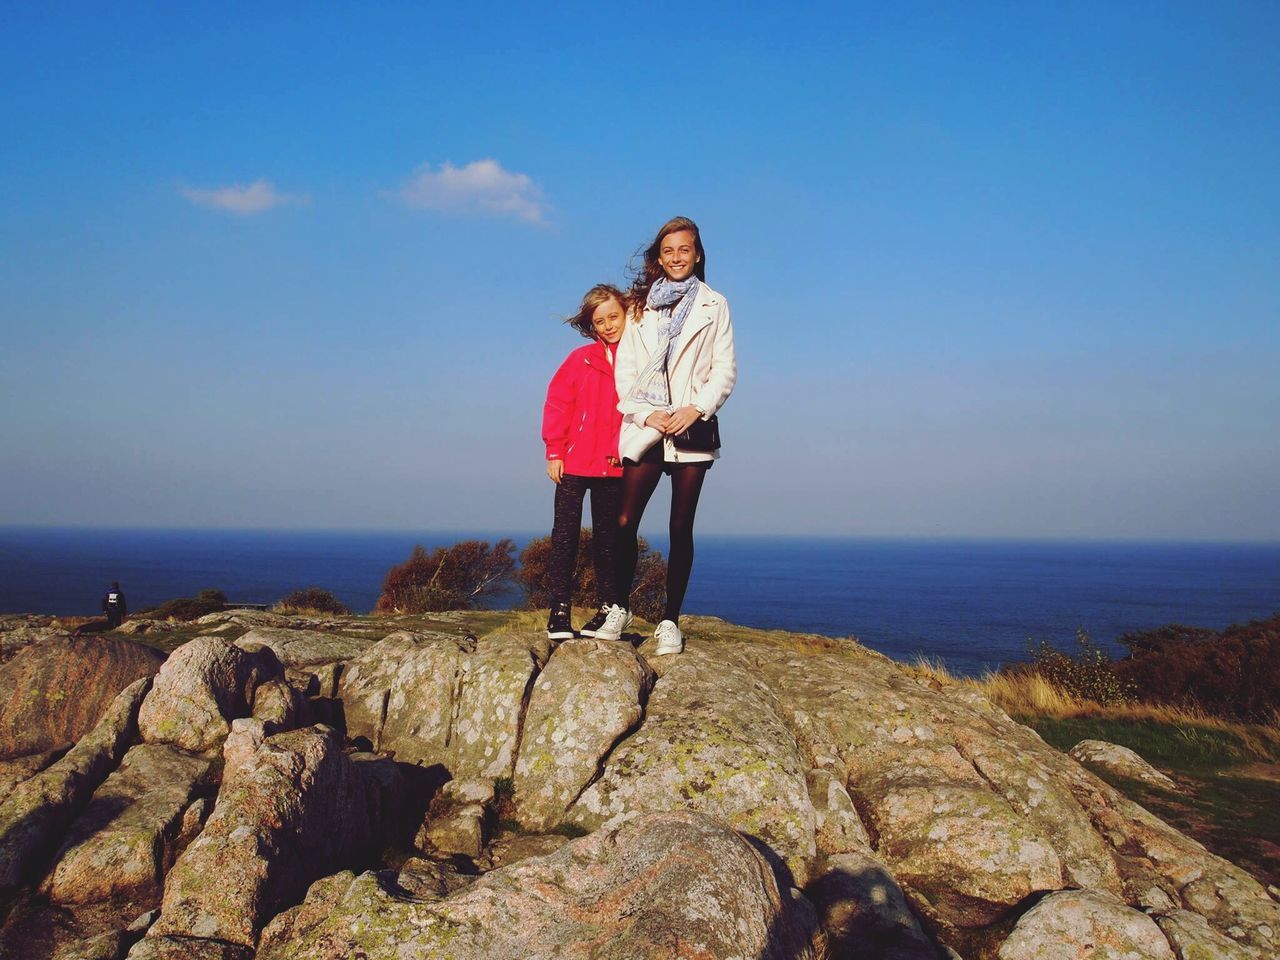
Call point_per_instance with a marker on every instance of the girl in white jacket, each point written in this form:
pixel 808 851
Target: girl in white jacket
pixel 675 364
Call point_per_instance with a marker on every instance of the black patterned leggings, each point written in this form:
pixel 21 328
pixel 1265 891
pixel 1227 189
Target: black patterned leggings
pixel 606 493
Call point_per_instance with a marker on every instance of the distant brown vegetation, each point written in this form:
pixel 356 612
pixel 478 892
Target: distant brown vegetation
pixel 1233 674
pixel 311 600
pixel 647 597
pixel 447 578
pixel 188 608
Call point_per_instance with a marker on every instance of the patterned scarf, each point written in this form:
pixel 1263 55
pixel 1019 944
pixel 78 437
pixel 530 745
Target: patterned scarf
pixel 674 301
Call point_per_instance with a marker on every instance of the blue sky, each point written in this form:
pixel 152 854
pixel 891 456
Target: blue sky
pixel 996 270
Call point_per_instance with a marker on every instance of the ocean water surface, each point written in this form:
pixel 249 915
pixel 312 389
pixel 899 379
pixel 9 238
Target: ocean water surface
pixel 975 604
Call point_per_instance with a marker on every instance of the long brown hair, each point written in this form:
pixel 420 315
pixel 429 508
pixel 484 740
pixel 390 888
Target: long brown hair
pixel 650 270
pixel 600 293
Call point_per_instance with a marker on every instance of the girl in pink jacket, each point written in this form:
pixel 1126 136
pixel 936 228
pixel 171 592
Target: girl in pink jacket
pixel 580 426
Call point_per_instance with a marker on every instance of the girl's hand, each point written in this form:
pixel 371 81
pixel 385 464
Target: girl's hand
pixel 555 470
pixel 657 420
pixel 679 421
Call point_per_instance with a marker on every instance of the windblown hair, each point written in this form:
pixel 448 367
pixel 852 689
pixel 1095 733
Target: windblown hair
pixel 650 270
pixel 597 295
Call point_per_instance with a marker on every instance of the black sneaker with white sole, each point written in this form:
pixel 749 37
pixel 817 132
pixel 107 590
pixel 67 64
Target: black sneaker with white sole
pixel 595 623
pixel 560 623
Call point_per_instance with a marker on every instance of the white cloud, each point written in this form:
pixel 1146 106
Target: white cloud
pixel 243 199
pixel 480 187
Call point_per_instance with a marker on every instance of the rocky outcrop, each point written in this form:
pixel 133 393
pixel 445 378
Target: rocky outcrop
pixel 839 828
pixel 1121 762
pixel 296 649
pixel 953 757
pixel 18 631
pixel 53 691
pixel 127 836
pixel 1085 925
pixel 493 685
pixel 13 772
pixel 436 698
pixel 38 810
pixel 459 818
pixel 590 695
pixel 292 807
pixel 713 741
pixel 664 885
pixel 1193 939
pixel 202 687
pixel 399 695
pixel 110 945
pixel 912 815
pixel 926 772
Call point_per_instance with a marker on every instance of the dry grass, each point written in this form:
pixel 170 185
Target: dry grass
pixel 311 613
pixel 1028 695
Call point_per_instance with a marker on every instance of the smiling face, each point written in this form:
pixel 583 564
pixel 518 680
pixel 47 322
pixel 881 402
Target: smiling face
pixel 608 319
pixel 678 254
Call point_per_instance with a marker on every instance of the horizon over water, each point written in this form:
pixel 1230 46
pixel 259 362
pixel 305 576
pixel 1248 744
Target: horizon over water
pixel 974 603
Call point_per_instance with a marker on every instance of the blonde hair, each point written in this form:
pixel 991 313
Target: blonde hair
pixel 600 294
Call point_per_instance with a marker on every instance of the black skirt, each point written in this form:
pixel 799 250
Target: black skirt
pixel 655 457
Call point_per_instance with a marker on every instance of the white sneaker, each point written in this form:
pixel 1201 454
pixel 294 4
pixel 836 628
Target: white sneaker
pixel 669 637
pixel 619 619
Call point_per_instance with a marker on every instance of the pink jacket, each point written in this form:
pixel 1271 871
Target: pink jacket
pixel 580 420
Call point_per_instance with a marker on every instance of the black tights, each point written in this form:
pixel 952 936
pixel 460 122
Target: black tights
pixel 638 483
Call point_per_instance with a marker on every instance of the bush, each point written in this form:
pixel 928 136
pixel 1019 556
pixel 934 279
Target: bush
pixel 648 596
pixel 1234 674
pixel 447 578
pixel 1163 639
pixel 312 600
pixel 188 608
pixel 1088 674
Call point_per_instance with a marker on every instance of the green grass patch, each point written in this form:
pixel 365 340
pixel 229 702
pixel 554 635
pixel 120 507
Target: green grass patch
pixel 1229 798
pixel 1183 748
pixel 167 641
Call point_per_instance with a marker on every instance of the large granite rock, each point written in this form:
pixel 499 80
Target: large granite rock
pixel 902 747
pixel 296 649
pixel 1085 925
pixel 839 826
pixel 664 885
pixel 37 811
pixel 18 631
pixel 713 741
pixel 399 695
pixel 53 691
pixel 293 807
pixel 1193 939
pixel 494 685
pixel 204 685
pixel 440 699
pixel 188 948
pixel 967 824
pixel 15 771
pixel 126 838
pixel 912 813
pixel 588 697
pixel 1120 761
pixel 109 945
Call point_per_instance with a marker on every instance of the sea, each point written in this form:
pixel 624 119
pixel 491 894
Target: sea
pixel 972 604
